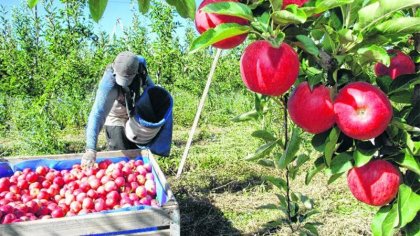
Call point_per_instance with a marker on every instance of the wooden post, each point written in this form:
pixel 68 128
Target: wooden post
pixel 198 113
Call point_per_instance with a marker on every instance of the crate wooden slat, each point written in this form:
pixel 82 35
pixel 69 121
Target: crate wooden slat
pixel 156 221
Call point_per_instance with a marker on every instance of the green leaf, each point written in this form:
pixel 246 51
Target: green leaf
pixel 185 8
pixel 376 12
pixel 221 32
pixel 97 8
pixel 361 158
pixel 341 163
pixel 261 152
pixel 264 135
pixel 330 145
pixel 314 80
pixel 291 15
pixel 348 36
pixel 317 34
pixel 230 8
pixel 269 207
pixel 400 26
pixel 307 202
pixel 402 83
pixel 376 224
pixel 384 82
pixel 408 205
pixel 266 162
pixel 311 228
pixel 246 116
pixel 291 149
pixel 401 97
pixel 308 44
pixel 311 213
pixel 282 200
pixel 262 23
pixel 402 125
pixel 390 221
pixel 328 43
pixel 318 166
pixel 301 160
pixel 32 3
pixel 374 53
pixel 413 228
pixel 318 141
pixel 278 182
pixel 408 161
pixel 333 178
pixel 324 5
pixel 293 169
pixel 143 6
pixel 276 4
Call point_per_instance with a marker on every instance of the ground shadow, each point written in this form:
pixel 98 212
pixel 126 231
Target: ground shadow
pixel 200 217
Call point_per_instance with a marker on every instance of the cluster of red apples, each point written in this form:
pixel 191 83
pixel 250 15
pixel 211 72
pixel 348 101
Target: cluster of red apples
pixel 46 193
pixel 360 110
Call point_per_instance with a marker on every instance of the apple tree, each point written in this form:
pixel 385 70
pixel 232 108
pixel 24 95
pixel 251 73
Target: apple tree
pixel 342 72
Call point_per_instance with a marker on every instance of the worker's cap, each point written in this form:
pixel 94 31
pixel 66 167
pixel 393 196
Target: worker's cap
pixel 126 66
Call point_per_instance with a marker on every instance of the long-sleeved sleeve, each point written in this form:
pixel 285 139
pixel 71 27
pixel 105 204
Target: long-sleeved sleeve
pixel 105 96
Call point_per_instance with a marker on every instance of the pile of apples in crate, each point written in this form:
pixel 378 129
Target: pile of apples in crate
pixel 46 193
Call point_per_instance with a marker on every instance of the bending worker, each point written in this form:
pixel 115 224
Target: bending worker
pixel 135 112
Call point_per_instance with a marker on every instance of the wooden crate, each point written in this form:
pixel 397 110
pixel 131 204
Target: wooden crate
pixel 151 221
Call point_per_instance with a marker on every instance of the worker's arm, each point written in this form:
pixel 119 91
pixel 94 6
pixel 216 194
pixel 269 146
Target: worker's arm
pixel 105 96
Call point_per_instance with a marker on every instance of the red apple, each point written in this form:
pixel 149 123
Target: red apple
pixel 22 184
pixel 150 186
pixel 141 170
pixel 41 170
pixel 50 176
pixel 119 181
pixel 75 206
pixel 297 2
pixel 362 111
pixel 141 179
pixel 375 183
pixel 131 178
pixel 4 184
pixel 92 194
pixel 401 64
pixel 94 182
pixel 114 195
pixel 88 203
pixel 59 181
pixel 8 218
pixel 150 176
pixel 141 191
pixel 100 205
pixel 205 21
pixel 313 111
pixel 57 213
pixel 110 186
pixel 138 163
pixel 268 70
pixel 104 164
pixel 80 197
pixel 31 177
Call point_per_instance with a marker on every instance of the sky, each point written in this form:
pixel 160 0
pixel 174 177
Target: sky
pixel 116 9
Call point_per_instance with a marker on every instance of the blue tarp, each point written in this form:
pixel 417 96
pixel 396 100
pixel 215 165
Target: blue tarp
pixel 6 170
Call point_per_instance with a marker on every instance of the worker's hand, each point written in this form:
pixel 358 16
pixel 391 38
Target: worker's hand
pixel 88 159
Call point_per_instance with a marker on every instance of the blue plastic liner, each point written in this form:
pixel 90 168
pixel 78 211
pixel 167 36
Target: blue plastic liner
pixel 7 170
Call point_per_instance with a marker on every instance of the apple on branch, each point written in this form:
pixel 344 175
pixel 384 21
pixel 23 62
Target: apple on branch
pixel 205 21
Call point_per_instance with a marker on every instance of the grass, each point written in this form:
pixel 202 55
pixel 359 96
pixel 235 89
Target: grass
pixel 219 193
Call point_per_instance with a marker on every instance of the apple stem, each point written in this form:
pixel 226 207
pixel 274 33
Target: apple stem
pixel 286 140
